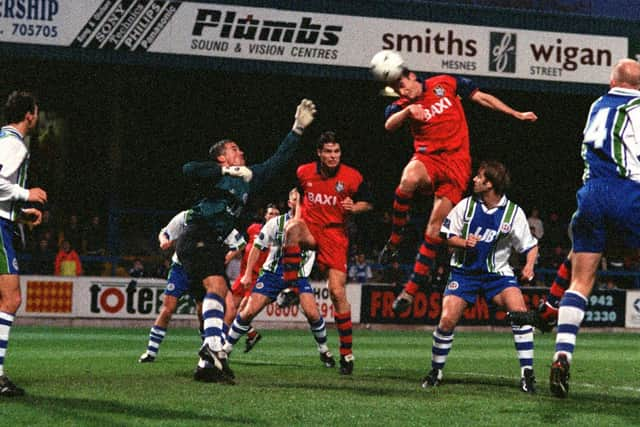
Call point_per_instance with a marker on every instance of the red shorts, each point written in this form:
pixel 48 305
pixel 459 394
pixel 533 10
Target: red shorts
pixel 449 174
pixel 333 245
pixel 238 290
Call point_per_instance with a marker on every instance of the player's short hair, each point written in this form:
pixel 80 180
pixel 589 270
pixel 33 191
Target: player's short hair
pixel 327 137
pixel 218 148
pixel 497 174
pixel 18 104
pixel 272 206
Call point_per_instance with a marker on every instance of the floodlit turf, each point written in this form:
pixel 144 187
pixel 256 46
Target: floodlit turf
pixel 82 376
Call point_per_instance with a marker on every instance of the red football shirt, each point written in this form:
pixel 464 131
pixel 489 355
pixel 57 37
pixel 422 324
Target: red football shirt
pixel 445 126
pixel 322 195
pixel 252 231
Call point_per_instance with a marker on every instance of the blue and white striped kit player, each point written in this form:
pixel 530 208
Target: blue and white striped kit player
pixel 15 159
pixel 271 282
pixel 608 203
pixel 484 269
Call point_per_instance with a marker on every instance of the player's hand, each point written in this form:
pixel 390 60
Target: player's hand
pixel 527 273
pixel 38 195
pixel 471 241
pixel 239 171
pixel 416 112
pixel 245 280
pixel 528 116
pixel 165 243
pixel 347 204
pixel 305 113
pixel 30 216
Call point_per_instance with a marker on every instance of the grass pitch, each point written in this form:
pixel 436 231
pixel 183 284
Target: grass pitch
pixel 82 376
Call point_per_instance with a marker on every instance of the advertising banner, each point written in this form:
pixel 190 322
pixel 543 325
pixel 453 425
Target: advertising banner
pixel 605 308
pixel 126 298
pixel 294 314
pixel 632 319
pixel 269 34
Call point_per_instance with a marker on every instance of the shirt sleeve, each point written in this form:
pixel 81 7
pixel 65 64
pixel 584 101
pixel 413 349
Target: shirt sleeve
pixel 174 229
pixel 465 87
pixel 12 153
pixel 521 238
pixel 267 234
pixel 453 223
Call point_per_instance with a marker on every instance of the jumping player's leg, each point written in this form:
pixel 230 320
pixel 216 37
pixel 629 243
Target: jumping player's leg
pixel 297 237
pixel 425 259
pixel 414 177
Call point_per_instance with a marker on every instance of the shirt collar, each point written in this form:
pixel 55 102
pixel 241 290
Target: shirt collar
pixel 624 91
pixel 13 130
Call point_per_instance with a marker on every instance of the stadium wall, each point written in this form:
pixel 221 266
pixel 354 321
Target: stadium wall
pixel 106 301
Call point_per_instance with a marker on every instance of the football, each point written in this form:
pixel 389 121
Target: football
pixel 387 66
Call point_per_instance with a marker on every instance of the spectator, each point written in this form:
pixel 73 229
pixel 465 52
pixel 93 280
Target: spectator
pixel 360 272
pixel 43 259
pixel 535 224
pixel 137 270
pixel 93 237
pixel 556 233
pixel 46 230
pixel 72 232
pixel 163 269
pixel 67 261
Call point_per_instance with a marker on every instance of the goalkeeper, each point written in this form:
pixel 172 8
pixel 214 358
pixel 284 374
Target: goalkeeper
pixel 226 184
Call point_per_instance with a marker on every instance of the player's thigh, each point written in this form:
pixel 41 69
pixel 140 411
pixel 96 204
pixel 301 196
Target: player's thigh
pixel 169 303
pixel 584 266
pixel 452 308
pixel 511 298
pixel 415 175
pixel 10 297
pixel 337 283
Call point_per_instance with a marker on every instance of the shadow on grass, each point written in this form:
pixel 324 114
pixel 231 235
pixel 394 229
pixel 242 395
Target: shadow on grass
pixel 109 412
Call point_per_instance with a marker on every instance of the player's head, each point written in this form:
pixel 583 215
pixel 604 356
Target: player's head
pixel 271 211
pixel 21 107
pixel 329 151
pixel 626 74
pixel 492 175
pixel 407 86
pixel 227 153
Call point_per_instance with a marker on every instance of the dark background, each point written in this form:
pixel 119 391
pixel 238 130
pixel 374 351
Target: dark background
pixel 128 130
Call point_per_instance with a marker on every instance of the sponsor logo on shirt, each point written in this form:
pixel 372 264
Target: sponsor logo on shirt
pixel 322 199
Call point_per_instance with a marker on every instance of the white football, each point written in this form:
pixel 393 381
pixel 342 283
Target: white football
pixel 387 66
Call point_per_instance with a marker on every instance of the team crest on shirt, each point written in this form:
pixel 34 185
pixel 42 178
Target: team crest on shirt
pixel 339 186
pixel 171 287
pixel 259 285
pixel 439 91
pixel 453 286
pixel 505 228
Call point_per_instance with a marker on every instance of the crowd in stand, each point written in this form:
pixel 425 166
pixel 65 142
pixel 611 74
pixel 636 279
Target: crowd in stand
pixel 74 245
